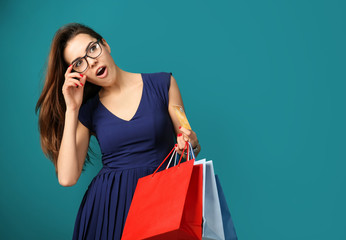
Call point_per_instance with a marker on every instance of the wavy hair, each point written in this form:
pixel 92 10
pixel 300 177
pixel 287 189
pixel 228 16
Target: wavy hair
pixel 51 103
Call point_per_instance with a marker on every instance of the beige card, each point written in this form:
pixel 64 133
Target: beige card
pixel 181 116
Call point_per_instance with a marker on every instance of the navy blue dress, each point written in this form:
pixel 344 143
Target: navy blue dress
pixel 130 150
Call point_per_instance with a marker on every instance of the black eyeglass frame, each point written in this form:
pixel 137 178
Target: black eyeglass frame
pixel 86 55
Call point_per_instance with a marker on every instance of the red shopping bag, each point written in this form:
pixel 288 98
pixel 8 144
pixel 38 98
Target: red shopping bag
pixel 167 204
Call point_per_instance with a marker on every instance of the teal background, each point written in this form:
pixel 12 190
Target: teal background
pixel 263 83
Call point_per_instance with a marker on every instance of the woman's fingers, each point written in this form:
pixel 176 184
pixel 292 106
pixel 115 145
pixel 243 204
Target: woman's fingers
pixel 68 70
pixel 83 79
pixel 72 88
pixel 189 135
pixel 72 82
pixel 75 81
pixel 180 144
pixel 68 85
pixel 187 132
pixel 77 78
pixel 74 75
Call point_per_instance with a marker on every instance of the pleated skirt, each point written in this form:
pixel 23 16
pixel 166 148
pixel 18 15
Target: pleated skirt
pixel 106 202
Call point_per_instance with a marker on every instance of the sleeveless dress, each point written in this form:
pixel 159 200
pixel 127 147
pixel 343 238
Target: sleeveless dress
pixel 130 150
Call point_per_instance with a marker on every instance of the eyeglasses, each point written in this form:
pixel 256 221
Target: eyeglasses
pixel 81 64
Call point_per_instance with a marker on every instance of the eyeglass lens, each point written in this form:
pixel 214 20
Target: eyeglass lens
pixel 93 51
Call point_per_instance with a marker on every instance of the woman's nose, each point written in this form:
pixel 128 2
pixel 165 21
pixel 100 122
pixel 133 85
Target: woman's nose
pixel 92 61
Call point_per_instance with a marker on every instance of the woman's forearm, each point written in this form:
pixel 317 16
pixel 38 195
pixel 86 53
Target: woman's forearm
pixel 68 169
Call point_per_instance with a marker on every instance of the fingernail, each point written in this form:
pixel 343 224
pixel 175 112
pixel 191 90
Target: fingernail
pixel 180 134
pixel 179 127
pixel 76 84
pixel 81 75
pixel 82 84
pixel 175 145
pixel 70 65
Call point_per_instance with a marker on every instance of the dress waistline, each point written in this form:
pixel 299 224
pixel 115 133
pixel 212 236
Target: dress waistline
pixel 106 168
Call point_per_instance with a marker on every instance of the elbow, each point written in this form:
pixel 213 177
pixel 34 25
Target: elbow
pixel 66 183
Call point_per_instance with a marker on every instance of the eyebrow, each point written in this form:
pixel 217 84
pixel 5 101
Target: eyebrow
pixel 85 51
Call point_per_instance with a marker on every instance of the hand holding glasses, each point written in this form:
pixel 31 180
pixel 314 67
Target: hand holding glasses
pixel 74 78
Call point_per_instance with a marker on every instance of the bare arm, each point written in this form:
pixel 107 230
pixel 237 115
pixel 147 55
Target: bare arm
pixel 73 149
pixel 75 139
pixel 176 99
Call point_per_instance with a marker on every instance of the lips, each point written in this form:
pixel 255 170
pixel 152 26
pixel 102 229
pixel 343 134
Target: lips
pixel 100 71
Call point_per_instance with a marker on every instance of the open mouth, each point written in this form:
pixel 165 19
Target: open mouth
pixel 100 71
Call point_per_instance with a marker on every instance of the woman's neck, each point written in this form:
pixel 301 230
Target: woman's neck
pixel 123 81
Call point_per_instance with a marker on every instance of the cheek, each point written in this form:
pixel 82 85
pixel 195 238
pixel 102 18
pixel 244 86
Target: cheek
pixel 89 77
pixel 88 74
pixel 107 58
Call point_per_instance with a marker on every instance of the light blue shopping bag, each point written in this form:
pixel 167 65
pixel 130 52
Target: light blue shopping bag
pixel 217 220
pixel 212 228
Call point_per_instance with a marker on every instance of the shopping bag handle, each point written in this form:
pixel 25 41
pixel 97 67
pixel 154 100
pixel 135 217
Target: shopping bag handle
pixel 192 152
pixel 175 153
pixel 189 150
pixel 170 160
pixel 185 147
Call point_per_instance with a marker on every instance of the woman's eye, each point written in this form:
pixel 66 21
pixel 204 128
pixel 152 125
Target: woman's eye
pixel 78 63
pixel 93 48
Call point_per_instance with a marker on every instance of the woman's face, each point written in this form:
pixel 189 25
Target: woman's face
pixel 76 48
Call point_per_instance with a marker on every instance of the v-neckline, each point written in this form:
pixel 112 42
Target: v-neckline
pixel 140 103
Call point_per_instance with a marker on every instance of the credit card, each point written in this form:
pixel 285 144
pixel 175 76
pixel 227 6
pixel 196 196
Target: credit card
pixel 181 116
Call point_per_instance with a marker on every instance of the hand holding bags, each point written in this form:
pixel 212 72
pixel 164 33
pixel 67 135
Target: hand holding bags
pixel 167 204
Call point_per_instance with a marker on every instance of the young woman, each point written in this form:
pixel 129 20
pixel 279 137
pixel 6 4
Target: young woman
pixel 85 93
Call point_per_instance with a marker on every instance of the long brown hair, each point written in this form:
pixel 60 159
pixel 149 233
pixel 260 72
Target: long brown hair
pixel 51 103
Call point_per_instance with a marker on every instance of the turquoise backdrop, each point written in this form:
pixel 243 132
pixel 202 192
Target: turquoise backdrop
pixel 263 83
